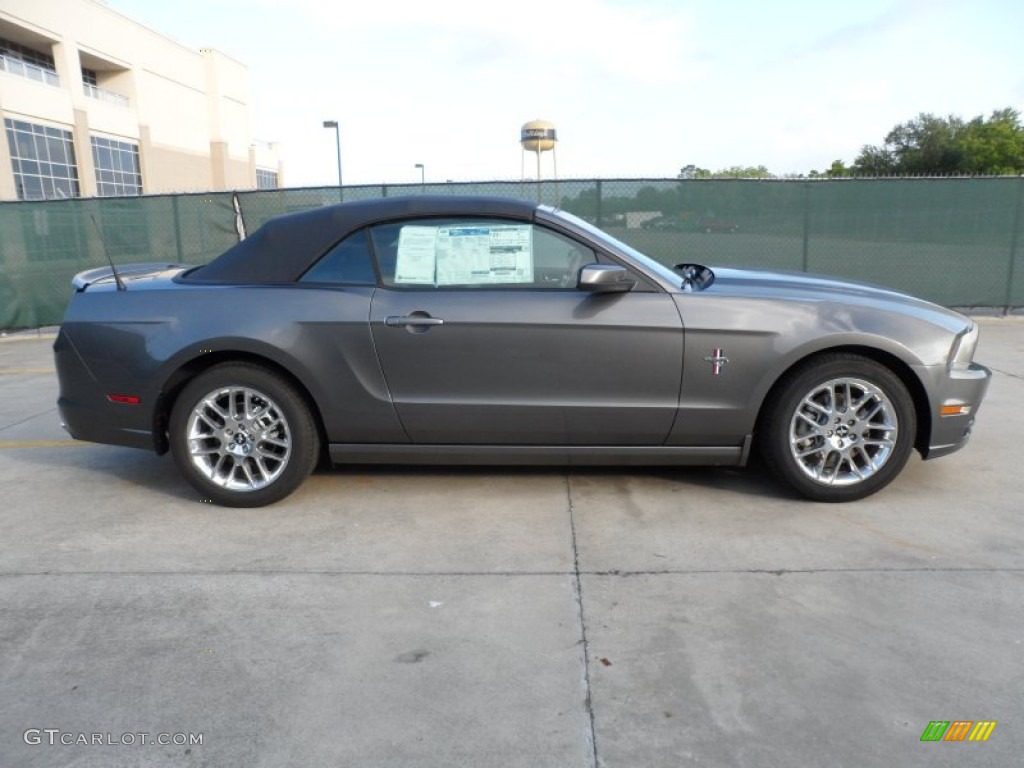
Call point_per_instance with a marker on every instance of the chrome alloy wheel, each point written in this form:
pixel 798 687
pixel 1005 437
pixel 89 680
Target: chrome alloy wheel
pixel 843 432
pixel 238 438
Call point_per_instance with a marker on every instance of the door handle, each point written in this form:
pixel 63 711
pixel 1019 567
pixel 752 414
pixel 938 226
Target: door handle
pixel 395 321
pixel 416 322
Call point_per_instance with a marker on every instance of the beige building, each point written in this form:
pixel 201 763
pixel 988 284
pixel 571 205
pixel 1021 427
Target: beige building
pixel 96 104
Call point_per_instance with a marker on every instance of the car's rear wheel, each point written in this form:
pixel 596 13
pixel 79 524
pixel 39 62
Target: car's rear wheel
pixel 839 428
pixel 242 435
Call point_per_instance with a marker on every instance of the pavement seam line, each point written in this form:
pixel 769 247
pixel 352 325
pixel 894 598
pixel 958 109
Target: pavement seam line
pixel 515 574
pixel 578 589
pixel 1007 373
pixel 27 418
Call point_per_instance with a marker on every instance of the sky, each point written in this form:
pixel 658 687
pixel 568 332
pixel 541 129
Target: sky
pixel 635 88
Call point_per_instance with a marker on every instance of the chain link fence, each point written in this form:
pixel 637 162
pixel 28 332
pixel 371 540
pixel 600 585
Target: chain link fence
pixel 958 242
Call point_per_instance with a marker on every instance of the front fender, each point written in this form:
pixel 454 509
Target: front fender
pixel 764 338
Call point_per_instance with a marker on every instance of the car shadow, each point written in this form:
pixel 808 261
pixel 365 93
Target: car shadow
pixel 753 480
pixel 134 469
pixel 127 468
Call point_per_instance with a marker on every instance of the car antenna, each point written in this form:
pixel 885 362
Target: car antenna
pixel 117 277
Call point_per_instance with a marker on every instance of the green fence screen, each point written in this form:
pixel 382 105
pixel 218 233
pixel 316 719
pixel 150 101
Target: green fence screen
pixel 958 242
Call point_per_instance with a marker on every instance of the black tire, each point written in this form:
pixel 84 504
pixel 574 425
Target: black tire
pixel 849 453
pixel 272 450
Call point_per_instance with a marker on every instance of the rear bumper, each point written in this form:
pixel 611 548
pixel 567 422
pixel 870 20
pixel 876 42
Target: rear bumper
pixel 101 425
pixel 87 413
pixel 968 388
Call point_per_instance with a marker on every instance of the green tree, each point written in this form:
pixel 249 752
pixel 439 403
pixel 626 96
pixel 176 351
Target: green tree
pixel 691 171
pixel 744 172
pixel 996 145
pixel 874 161
pixel 838 170
pixel 930 145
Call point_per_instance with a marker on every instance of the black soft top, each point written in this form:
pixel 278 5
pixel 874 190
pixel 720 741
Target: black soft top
pixel 286 246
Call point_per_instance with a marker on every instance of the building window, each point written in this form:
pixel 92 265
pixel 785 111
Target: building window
pixel 27 62
pixel 91 86
pixel 43 161
pixel 266 179
pixel 117 167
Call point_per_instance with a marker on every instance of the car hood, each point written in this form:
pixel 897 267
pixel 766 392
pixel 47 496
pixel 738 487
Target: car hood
pixel 799 286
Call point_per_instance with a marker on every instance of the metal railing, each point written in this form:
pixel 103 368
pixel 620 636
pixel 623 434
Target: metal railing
pixel 102 94
pixel 16 66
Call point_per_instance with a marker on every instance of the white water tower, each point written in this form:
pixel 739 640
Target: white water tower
pixel 539 136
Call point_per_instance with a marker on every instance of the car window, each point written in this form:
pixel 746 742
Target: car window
pixel 348 262
pixel 648 264
pixel 476 253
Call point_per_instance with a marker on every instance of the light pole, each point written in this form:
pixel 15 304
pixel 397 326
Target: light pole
pixel 423 176
pixel 337 140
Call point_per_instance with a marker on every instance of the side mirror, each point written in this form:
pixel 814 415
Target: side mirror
pixel 605 278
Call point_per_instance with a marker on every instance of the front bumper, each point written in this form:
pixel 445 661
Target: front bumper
pixel 955 388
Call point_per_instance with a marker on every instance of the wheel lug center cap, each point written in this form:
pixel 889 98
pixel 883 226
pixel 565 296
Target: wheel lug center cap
pixel 842 430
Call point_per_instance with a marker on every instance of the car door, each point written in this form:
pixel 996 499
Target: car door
pixel 484 338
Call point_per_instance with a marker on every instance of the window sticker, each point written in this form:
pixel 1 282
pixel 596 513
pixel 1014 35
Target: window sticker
pixel 484 255
pixel 417 255
pixel 470 254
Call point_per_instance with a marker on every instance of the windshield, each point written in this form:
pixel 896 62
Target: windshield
pixel 657 268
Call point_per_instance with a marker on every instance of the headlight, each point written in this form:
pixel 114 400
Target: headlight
pixel 962 352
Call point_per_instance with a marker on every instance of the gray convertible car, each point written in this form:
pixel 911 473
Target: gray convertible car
pixel 493 331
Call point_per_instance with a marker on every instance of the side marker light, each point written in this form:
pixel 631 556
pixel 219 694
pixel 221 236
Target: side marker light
pixel 955 410
pixel 125 399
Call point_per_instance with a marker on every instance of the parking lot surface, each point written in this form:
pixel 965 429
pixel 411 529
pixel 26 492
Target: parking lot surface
pixel 506 617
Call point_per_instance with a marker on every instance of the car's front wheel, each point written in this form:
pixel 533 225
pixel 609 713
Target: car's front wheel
pixel 839 428
pixel 242 435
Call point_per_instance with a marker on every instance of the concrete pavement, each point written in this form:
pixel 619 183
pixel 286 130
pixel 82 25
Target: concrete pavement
pixel 506 617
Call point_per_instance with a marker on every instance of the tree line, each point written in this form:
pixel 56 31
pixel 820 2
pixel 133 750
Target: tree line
pixel 926 145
